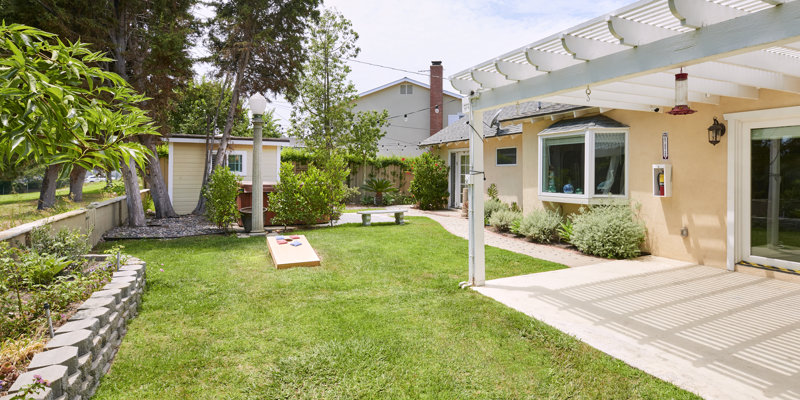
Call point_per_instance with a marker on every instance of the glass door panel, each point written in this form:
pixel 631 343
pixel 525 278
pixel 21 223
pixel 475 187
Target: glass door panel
pixel 775 193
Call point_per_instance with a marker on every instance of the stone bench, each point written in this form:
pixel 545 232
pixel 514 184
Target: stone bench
pixel 366 216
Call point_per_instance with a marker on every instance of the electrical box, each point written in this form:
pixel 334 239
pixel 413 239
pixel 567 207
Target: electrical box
pixel 662 180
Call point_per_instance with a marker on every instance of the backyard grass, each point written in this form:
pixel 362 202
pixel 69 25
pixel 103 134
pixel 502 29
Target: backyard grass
pixel 381 318
pixel 17 209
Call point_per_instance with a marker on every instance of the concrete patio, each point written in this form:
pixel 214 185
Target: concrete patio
pixel 720 334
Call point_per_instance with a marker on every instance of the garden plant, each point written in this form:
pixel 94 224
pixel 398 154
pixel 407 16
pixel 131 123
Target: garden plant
pixel 220 194
pixel 429 186
pixel 608 231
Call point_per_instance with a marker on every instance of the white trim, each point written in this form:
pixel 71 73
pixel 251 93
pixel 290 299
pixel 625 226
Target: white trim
pixel 171 168
pixel 244 161
pixel 266 143
pixel 278 166
pixel 516 156
pixel 451 189
pixel 588 196
pixel 406 80
pixel 738 213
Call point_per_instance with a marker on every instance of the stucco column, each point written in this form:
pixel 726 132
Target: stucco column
pixel 258 184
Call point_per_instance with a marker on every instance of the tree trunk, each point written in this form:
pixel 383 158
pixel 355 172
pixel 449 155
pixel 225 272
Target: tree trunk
pixel 47 195
pixel 76 179
pixel 133 198
pixel 155 181
pixel 211 130
pixel 226 133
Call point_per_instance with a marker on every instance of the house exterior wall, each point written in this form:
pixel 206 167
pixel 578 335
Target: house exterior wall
pixel 188 165
pixel 406 134
pixel 699 176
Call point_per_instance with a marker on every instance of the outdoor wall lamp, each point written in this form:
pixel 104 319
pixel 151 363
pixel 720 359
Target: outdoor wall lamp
pixel 715 132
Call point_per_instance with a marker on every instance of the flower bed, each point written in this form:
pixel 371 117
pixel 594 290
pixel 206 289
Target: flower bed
pixel 52 275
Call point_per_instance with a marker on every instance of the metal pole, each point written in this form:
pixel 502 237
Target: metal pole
pixel 258 184
pixel 118 260
pixel 49 320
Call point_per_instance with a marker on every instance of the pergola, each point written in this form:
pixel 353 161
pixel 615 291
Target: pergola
pixel 628 60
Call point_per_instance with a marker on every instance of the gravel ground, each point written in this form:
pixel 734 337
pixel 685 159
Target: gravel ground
pixel 165 228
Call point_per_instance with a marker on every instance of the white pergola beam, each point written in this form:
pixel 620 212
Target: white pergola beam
pixel 516 71
pixel 700 13
pixel 643 98
pixel 632 33
pixel 701 85
pixel 748 76
pixel 770 27
pixel 490 80
pixel 595 102
pixel 661 92
pixel 588 49
pixel 547 61
pixel 465 86
pixel 766 60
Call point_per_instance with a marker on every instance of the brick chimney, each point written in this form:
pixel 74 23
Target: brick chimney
pixel 436 97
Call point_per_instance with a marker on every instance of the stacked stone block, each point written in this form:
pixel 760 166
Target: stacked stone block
pixel 83 348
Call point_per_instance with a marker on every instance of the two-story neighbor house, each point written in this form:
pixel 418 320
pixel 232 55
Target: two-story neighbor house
pixel 416 111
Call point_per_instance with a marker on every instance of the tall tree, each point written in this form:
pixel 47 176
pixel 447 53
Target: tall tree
pixel 259 44
pixel 323 106
pixel 56 109
pixel 323 116
pixel 148 41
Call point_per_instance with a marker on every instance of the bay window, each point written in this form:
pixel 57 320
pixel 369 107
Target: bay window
pixel 577 166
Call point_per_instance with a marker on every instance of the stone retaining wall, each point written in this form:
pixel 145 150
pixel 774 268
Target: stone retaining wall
pixel 83 348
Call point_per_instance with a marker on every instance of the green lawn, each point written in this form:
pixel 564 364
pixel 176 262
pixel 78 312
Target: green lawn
pixel 17 209
pixel 381 318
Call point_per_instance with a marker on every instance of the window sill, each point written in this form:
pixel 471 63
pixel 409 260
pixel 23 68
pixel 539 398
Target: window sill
pixel 582 199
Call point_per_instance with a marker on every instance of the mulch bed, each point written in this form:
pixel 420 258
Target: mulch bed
pixel 166 228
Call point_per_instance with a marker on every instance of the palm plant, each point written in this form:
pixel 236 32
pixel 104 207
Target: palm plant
pixel 379 186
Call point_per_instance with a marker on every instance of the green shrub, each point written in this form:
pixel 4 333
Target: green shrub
pixel 540 225
pixel 311 196
pixel 492 206
pixel 40 269
pixel 429 186
pixel 565 231
pixel 379 186
pixel 504 219
pixel 492 192
pixel 117 188
pixel 69 243
pixel 608 231
pixel 220 194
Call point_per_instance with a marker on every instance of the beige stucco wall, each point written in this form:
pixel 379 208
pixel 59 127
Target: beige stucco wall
pixel 699 200
pixel 406 133
pixel 188 164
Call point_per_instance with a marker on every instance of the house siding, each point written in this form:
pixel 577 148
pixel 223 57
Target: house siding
pixel 406 133
pixel 188 165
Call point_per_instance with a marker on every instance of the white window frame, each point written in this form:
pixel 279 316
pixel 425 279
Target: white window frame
pixel 588 197
pixel 516 157
pixel 236 152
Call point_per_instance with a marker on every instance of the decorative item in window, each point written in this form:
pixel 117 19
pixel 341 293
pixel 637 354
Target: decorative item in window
pixel 715 132
pixel 507 156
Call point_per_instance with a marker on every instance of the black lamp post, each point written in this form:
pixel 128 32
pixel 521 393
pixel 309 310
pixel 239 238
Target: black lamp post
pixel 715 132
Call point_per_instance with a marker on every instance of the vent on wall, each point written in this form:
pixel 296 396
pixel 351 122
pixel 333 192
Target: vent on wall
pixel 406 89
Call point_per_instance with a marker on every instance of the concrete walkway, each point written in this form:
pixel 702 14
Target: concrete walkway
pixel 455 224
pixel 720 334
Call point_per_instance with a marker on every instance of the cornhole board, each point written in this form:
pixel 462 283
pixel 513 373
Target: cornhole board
pixel 288 256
